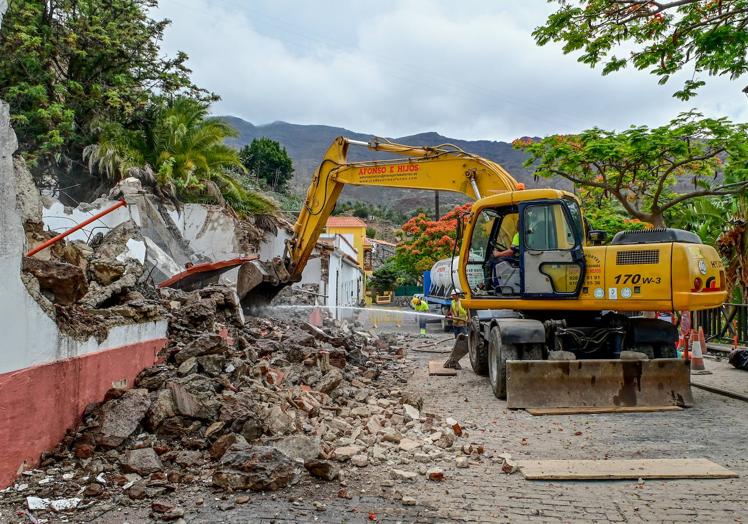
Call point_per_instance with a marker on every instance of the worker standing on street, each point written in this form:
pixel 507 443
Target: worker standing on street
pixel 421 306
pixel 458 314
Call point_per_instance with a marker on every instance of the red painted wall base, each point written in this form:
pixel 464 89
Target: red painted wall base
pixel 38 404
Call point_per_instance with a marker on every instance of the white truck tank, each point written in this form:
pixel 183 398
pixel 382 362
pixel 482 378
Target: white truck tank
pixel 444 273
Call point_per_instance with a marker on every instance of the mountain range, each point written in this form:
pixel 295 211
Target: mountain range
pixel 306 144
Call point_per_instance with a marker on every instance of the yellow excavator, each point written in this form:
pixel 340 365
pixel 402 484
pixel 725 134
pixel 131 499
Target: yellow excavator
pixel 557 316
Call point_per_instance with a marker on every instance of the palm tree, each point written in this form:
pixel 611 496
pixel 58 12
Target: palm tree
pixel 181 151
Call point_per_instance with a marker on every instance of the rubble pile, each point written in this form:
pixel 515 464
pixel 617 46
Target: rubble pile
pixel 87 287
pixel 244 404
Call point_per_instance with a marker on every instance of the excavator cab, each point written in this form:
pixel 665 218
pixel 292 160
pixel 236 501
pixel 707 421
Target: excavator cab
pixel 530 248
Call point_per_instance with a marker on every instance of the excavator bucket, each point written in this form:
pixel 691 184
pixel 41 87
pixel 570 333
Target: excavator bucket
pixel 598 383
pixel 259 282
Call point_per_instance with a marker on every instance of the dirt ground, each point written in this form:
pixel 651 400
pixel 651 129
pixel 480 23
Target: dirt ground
pixel 715 429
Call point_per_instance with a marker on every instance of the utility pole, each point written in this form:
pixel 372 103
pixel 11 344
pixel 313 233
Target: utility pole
pixel 437 214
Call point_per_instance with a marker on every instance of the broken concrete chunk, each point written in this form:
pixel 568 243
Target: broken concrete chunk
pixel 141 461
pixel 360 460
pixel 323 469
pixel 410 413
pixel 299 447
pixel 390 435
pixel 330 381
pixel 205 344
pixel 65 282
pixel 261 468
pixel 280 422
pixel 402 475
pixel 224 442
pixel 193 406
pixel 188 367
pixel 105 271
pixel 407 444
pixel 121 417
pixel 162 407
pixel 344 453
pixel 435 474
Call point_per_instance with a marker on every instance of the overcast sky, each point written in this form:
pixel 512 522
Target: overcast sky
pixel 466 69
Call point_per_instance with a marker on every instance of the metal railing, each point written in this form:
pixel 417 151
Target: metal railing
pixel 724 324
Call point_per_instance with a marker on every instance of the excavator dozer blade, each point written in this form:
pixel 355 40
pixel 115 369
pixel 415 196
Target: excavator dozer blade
pixel 598 383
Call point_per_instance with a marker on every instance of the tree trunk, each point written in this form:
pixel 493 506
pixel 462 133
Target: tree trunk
pixel 657 220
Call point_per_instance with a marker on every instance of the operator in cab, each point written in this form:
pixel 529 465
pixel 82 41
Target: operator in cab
pixel 458 315
pixel 510 252
pixel 421 306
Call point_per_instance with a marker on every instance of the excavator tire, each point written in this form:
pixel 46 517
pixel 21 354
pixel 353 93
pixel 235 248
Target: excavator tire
pixel 477 349
pixel 498 354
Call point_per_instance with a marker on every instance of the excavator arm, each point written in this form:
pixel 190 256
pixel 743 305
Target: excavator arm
pixel 443 168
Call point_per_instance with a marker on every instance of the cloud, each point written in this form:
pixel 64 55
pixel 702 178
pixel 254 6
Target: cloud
pixel 394 68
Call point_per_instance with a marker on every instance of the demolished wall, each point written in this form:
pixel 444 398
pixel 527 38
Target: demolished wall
pixel 46 376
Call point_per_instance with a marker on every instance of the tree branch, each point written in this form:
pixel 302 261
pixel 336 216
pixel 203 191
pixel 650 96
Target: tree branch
pixel 720 191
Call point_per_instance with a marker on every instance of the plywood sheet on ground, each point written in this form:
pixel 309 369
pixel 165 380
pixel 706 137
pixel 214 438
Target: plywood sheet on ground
pixel 595 410
pixel 436 368
pixel 622 469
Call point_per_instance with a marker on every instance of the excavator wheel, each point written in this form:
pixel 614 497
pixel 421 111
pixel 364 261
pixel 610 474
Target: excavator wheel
pixel 477 349
pixel 498 354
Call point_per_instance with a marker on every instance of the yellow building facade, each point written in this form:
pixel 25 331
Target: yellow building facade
pixel 356 228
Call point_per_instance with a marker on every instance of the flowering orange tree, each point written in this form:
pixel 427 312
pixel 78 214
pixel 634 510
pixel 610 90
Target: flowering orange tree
pixel 426 241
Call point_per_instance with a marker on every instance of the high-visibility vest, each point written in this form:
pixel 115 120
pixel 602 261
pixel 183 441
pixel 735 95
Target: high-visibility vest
pixel 423 306
pixel 459 314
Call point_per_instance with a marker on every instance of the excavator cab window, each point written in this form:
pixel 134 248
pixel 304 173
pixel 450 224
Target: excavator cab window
pixel 552 259
pixel 495 246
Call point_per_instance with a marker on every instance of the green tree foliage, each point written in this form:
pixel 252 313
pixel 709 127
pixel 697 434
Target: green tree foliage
pixel 649 171
pixel 607 215
pixel 268 161
pixel 181 150
pixel 66 65
pixel 361 212
pixel 663 37
pixel 385 278
pixel 371 232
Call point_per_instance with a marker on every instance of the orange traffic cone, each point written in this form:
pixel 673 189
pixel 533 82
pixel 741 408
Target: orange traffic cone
pixel 697 357
pixel 702 339
pixel 687 344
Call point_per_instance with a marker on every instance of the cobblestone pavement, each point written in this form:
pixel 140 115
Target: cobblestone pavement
pixel 716 428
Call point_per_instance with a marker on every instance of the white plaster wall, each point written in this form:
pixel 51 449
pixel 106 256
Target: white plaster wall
pixel 312 272
pixel 30 336
pixel 57 218
pixel 209 231
pixel 274 245
pixel 332 283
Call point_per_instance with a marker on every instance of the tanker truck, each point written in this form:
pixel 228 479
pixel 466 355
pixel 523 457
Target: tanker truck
pixel 441 279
